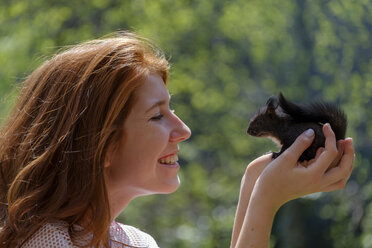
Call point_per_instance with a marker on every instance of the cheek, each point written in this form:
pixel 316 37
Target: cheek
pixel 144 146
pixel 151 138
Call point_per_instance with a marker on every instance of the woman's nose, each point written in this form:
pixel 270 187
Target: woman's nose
pixel 180 132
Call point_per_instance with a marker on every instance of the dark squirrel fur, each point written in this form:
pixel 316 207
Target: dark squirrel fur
pixel 284 121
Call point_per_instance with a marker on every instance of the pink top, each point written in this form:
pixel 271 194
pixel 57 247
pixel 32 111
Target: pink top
pixel 56 235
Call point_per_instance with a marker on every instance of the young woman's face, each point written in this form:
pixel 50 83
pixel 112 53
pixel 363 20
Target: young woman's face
pixel 145 160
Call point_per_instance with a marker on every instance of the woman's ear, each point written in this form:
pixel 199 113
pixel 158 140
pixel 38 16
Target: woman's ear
pixel 107 162
pixel 108 156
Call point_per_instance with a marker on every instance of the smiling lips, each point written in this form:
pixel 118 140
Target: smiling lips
pixel 169 160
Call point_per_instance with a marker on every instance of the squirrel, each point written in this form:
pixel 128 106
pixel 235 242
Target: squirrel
pixel 283 120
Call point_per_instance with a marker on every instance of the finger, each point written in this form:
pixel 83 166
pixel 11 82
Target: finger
pixel 292 154
pixel 340 149
pixel 349 153
pixel 318 152
pixel 340 145
pixel 330 151
pixel 347 159
pixel 341 183
pixel 346 165
pixel 335 186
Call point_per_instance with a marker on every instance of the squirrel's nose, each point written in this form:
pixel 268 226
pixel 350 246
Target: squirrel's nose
pixel 251 132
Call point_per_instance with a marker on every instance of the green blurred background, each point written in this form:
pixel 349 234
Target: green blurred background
pixel 227 57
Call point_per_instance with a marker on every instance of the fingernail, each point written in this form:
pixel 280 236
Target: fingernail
pixel 309 132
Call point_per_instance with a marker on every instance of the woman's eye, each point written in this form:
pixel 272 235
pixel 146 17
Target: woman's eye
pixel 157 117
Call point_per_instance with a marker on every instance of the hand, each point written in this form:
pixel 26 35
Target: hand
pixel 285 179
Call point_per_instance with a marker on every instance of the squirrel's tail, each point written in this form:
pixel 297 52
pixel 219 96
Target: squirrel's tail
pixel 321 112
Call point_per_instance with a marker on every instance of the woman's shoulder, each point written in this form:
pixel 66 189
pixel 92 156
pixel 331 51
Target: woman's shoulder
pixel 50 235
pixel 125 234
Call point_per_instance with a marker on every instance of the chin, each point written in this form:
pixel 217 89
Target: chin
pixel 170 186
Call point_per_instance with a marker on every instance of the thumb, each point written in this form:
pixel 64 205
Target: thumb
pixel 293 153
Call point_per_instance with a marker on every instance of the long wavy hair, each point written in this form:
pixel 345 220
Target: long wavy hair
pixel 53 145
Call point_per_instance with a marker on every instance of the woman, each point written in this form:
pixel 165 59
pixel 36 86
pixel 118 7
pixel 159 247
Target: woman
pixel 93 130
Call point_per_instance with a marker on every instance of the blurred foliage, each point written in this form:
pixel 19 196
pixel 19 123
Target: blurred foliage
pixel 227 57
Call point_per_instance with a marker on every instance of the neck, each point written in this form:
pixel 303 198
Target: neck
pixel 118 203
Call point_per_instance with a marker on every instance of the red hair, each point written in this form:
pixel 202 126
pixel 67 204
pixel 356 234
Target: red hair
pixel 53 146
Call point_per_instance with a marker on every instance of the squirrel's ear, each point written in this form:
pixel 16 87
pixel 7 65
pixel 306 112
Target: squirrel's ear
pixel 271 104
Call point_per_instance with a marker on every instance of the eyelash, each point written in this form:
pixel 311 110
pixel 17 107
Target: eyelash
pixel 157 118
pixel 160 116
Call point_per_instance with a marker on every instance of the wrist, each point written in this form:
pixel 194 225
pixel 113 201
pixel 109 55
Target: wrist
pixel 264 196
pixel 258 222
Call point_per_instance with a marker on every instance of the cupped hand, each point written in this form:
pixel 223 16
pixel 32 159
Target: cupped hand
pixel 285 179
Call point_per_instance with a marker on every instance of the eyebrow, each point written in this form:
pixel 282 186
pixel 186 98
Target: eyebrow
pixel 157 104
